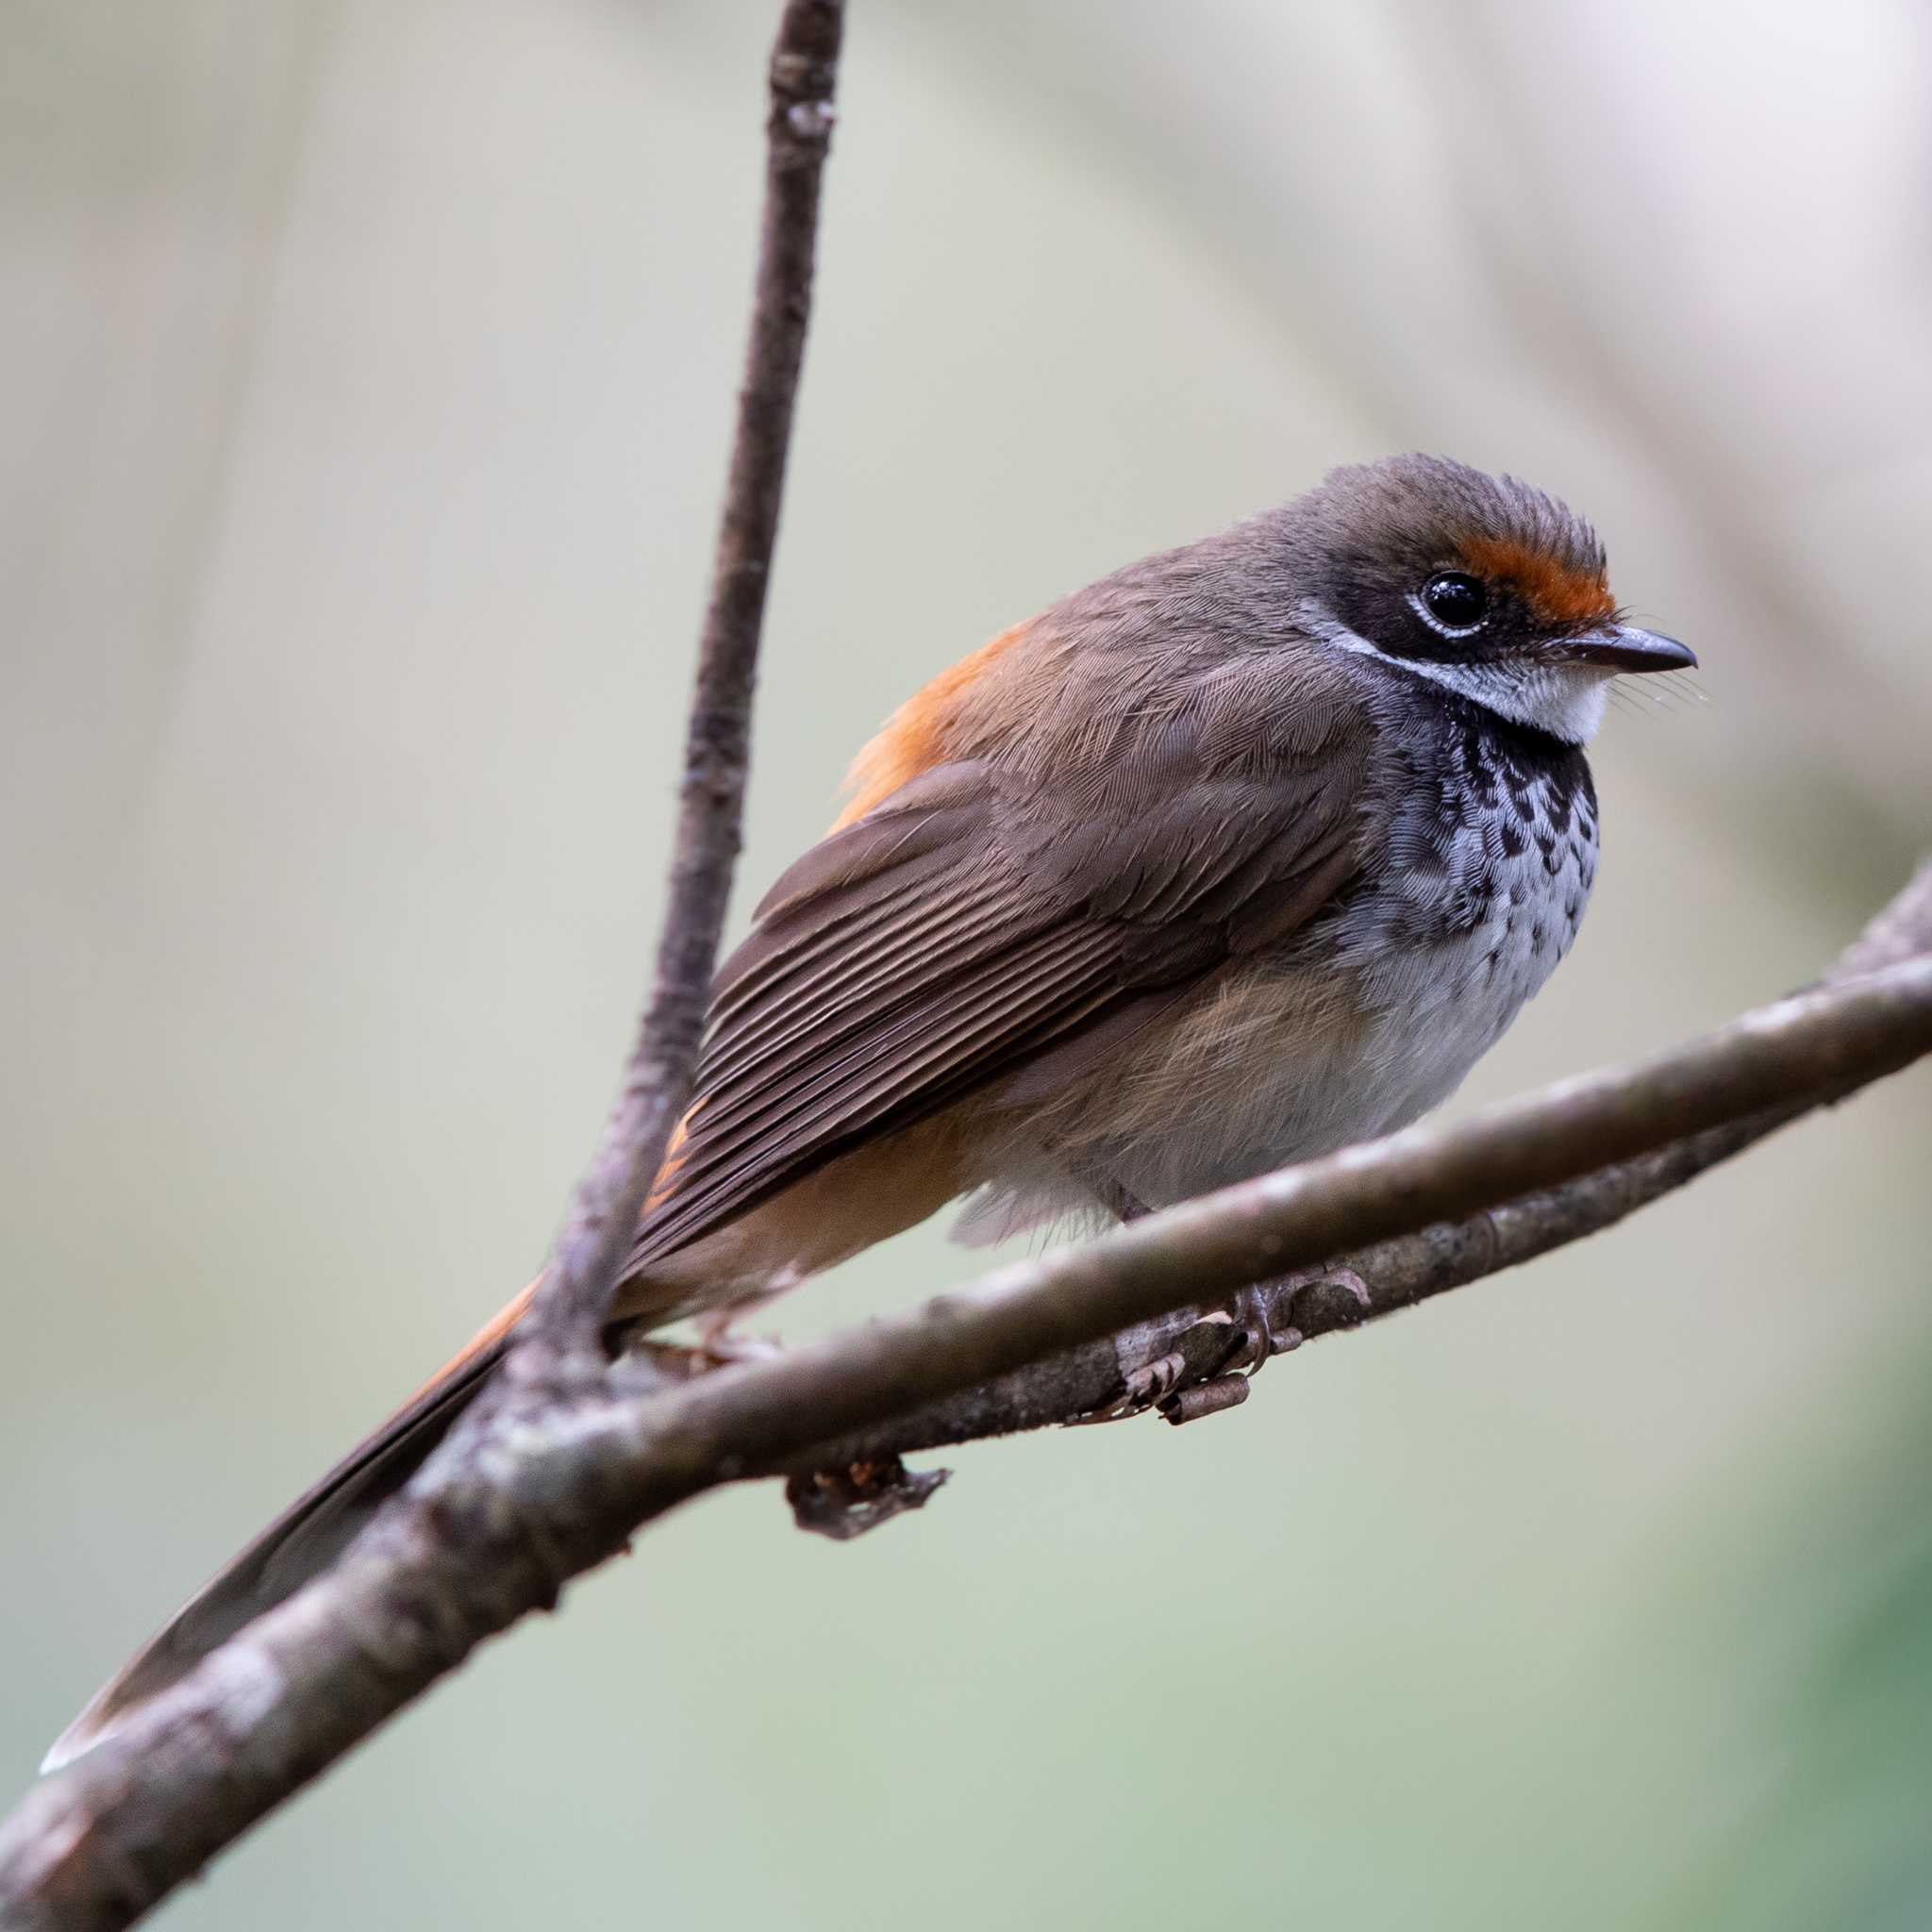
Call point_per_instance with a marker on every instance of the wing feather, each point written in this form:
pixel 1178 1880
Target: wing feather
pixel 867 965
pixel 981 912
pixel 939 1040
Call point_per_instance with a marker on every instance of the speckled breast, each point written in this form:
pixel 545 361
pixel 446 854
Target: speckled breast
pixel 1489 865
pixel 1477 893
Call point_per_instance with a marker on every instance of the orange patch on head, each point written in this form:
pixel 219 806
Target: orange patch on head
pixel 913 739
pixel 1557 593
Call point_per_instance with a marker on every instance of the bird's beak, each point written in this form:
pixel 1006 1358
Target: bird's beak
pixel 1627 648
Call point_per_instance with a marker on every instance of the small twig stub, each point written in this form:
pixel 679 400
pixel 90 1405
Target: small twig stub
pixel 845 1502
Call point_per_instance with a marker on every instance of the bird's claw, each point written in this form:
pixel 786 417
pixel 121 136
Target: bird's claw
pixel 1254 1339
pixel 1142 1389
pixel 1154 1382
pixel 1162 1384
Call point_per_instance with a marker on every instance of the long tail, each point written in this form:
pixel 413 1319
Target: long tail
pixel 301 1542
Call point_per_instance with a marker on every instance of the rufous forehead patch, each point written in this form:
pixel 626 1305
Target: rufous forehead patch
pixel 1557 592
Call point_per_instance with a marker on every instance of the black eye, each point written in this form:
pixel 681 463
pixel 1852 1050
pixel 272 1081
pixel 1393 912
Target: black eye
pixel 1455 600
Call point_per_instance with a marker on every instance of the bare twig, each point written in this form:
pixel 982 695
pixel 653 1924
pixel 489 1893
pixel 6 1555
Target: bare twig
pixel 96 1874
pixel 1899 930
pixel 532 1504
pixel 591 1251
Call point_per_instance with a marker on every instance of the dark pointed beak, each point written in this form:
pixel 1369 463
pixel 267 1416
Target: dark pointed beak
pixel 1627 648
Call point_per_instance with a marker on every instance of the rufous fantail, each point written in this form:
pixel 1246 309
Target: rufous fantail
pixel 1244 853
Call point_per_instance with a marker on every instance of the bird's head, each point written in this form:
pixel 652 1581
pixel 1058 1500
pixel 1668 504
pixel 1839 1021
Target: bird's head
pixel 1476 583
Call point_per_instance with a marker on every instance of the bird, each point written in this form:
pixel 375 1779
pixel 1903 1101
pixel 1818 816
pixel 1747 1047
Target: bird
pixel 1241 854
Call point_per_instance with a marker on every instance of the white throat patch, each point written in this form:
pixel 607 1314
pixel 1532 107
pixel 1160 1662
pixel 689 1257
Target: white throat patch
pixel 1565 700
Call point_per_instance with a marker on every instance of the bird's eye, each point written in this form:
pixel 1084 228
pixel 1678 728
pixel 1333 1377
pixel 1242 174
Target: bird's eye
pixel 1455 601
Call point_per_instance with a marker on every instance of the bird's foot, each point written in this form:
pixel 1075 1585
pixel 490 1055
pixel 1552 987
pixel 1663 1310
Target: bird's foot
pixel 1251 1339
pixel 1258 1339
pixel 1166 1384
pixel 1143 1388
pixel 1251 1332
pixel 1154 1382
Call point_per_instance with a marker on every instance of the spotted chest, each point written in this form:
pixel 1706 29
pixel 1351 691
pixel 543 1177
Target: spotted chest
pixel 1489 863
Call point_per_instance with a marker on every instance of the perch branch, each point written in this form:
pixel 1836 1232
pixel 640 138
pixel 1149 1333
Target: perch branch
pixel 1395 1273
pixel 549 1494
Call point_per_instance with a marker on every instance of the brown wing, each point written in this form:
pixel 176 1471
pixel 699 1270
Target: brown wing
pixel 987 909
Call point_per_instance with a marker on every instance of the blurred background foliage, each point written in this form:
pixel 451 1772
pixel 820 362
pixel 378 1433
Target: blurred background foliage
pixel 367 369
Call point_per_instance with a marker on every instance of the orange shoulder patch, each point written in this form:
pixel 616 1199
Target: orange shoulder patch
pixel 1555 592
pixel 913 739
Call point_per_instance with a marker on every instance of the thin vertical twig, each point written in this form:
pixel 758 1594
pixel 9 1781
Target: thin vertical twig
pixel 102 1843
pixel 595 1241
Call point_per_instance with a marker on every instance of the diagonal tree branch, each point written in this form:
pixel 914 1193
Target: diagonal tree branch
pixel 508 1520
pixel 1395 1275
pixel 1809 1048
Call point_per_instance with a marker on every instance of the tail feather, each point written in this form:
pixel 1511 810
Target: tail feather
pixel 303 1542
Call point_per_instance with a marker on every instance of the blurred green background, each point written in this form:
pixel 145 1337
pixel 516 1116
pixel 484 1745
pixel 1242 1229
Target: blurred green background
pixel 367 368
